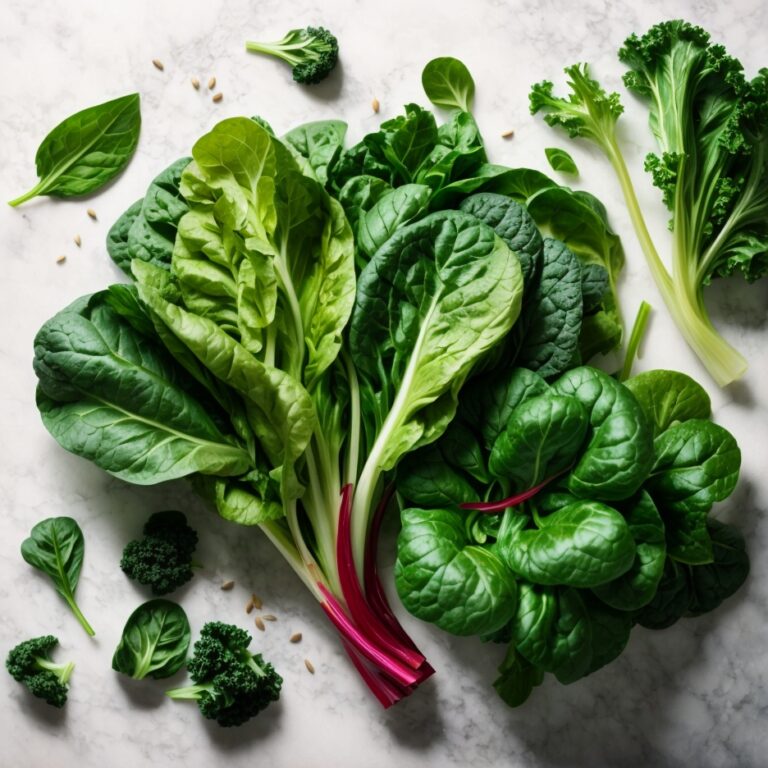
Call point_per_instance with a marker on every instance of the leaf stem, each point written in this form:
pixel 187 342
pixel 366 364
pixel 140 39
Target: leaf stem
pixel 78 615
pixel 36 190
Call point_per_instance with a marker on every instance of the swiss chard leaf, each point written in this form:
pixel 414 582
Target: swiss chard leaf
pixel 154 642
pixel 56 547
pixel 83 152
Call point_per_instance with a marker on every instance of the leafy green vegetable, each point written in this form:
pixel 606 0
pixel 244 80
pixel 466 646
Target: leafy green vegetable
pixel 29 663
pixel 154 642
pixel 319 144
pixel 711 124
pixel 560 160
pixel 56 547
pixel 447 83
pixel 312 53
pixel 83 152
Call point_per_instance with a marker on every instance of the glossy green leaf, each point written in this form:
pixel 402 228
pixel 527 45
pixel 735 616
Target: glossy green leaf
pixel 696 464
pixel 56 547
pixel 111 395
pixel 154 642
pixel 517 678
pixel 619 452
pixel 638 585
pixel 670 601
pixel 82 153
pixel 560 160
pixel 447 83
pixel 610 631
pixel 319 144
pixel 425 478
pixel 583 544
pixel 667 397
pixel 443 578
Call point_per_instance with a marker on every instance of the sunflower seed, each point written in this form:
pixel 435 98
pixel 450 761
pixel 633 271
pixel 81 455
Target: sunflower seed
pixel 228 585
pixel 218 97
pixel 259 624
pixel 211 83
pixel 195 83
pixel 296 637
pixel 61 259
pixel 158 64
pixel 78 241
pixel 507 134
pixel 310 667
pixel 256 600
pixel 375 105
pixel 91 213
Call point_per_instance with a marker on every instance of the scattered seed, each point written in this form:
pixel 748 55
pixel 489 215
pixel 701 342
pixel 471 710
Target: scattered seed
pixel 218 97
pixel 259 624
pixel 269 617
pixel 228 584
pixel 296 637
pixel 158 64
pixel 78 241
pixel 256 600
pixel 91 213
pixel 249 606
pixel 310 667
pixel 211 83
pixel 61 259
pixel 375 105
pixel 507 134
pixel 195 83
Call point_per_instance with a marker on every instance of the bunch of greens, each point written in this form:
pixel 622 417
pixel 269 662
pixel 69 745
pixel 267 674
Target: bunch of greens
pixel 711 125
pixel 30 664
pixel 554 516
pixel 301 316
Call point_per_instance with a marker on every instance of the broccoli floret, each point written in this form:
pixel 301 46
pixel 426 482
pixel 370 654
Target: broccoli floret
pixel 30 664
pixel 312 52
pixel 232 685
pixel 163 558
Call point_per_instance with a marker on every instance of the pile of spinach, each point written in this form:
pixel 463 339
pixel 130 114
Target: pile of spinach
pixel 553 516
pixel 301 316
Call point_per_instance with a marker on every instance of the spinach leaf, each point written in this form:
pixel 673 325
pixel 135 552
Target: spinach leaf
pixel 610 631
pixel 710 584
pixel 358 196
pixel 560 160
pixel 437 296
pixel 517 678
pixel 83 152
pixel 696 464
pixel 670 601
pixel 443 578
pixel 117 237
pixel 667 397
pixel 447 83
pixel 619 453
pixel 638 585
pixel 584 544
pixel 56 547
pixel 425 477
pixel 110 395
pixel 154 642
pixel 319 144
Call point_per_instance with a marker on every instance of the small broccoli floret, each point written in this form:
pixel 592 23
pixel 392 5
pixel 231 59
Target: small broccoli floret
pixel 30 664
pixel 232 686
pixel 312 52
pixel 163 558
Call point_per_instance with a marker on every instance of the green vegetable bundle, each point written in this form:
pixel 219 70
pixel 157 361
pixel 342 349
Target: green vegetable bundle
pixel 555 516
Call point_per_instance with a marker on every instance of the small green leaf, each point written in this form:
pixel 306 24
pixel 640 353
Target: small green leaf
pixel 447 83
pixel 154 642
pixel 82 153
pixel 560 160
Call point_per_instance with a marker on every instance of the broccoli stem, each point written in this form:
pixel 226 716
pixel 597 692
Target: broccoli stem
pixel 277 49
pixel 62 671
pixel 188 691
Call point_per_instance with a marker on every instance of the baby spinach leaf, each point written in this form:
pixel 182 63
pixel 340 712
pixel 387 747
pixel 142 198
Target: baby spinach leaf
pixel 517 678
pixel 696 464
pixel 552 630
pixel 584 544
pixel 437 296
pixel 424 477
pixel 319 144
pixel 638 585
pixel 110 395
pixel 443 578
pixel 610 631
pixel 447 83
pixel 670 601
pixel 359 195
pixel 154 642
pixel 542 437
pixel 710 584
pixel 560 160
pixel 619 452
pixel 83 152
pixel 56 547
pixel 390 211
pixel 667 397
pixel 117 237
pixel 594 284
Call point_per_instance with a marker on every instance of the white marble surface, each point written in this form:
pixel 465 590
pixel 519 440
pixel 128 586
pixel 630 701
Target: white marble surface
pixel 693 695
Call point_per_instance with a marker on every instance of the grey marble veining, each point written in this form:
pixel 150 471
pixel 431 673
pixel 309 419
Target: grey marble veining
pixel 693 695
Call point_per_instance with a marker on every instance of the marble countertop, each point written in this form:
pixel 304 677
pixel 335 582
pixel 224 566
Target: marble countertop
pixel 692 695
